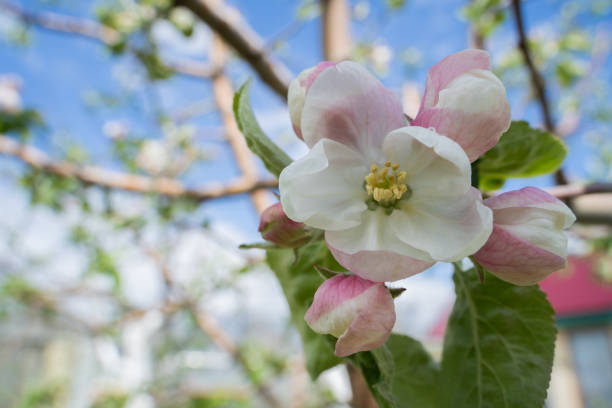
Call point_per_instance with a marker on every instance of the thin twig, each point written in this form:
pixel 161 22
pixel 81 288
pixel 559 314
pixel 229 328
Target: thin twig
pixel 222 340
pixel 227 22
pixel 38 159
pixel 537 80
pixel 95 31
pixel 335 25
pixel 223 94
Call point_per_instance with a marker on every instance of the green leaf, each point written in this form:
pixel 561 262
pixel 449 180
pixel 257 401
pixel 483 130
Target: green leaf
pixel 300 281
pixel 498 347
pixel 377 367
pixel 521 152
pixel 416 375
pixel 273 157
pixel 400 374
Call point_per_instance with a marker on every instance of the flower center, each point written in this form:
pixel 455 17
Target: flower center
pixel 386 186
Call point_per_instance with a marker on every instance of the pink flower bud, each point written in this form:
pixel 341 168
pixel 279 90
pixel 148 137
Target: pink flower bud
pixel 528 242
pixel 466 102
pixel 297 93
pixel 277 228
pixel 359 312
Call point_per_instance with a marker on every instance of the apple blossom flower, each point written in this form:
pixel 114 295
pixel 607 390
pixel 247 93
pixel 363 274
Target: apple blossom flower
pixel 153 157
pixel 466 102
pixel 388 195
pixel 276 227
pixel 298 88
pixel 527 242
pixel 10 98
pixel 360 313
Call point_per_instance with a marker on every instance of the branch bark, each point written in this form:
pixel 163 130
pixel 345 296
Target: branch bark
pixel 537 80
pixel 336 35
pixel 95 31
pixel 227 22
pixel 223 93
pixel 38 159
pixel 222 340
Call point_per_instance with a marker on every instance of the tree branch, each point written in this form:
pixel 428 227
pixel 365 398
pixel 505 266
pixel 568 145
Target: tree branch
pixel 537 80
pixel 38 159
pixel 229 25
pixel 223 94
pixel 222 340
pixel 98 32
pixel 336 35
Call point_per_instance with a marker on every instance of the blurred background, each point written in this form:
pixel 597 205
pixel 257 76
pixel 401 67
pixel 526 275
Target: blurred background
pixel 126 189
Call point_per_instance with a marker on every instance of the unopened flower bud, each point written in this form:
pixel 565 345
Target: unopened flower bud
pixel 297 93
pixel 359 312
pixel 276 227
pixel 527 242
pixel 466 102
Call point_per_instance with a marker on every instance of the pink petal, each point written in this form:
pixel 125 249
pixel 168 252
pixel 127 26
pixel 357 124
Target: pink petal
pixel 515 260
pixel 357 311
pixel 380 266
pixel 534 198
pixel 527 196
pixel 312 75
pixel 475 132
pixel 348 104
pixel 371 328
pixel 441 74
pixel 333 292
pixel 297 93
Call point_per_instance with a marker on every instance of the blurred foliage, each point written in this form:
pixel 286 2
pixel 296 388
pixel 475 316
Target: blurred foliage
pixel 43 396
pixel 484 15
pixel 110 401
pixel 21 122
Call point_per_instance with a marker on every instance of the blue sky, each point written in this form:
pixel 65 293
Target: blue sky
pixel 58 70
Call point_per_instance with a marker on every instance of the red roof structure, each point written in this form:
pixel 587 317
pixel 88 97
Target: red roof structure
pixel 576 290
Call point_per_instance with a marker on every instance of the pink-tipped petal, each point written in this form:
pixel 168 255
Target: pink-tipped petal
pixel 380 266
pixel 276 227
pixel 516 261
pixel 528 241
pixel 360 313
pixel 476 133
pixel 466 102
pixel 525 197
pixel 348 104
pixel 445 71
pixel 298 89
pixel 333 293
pixel 369 330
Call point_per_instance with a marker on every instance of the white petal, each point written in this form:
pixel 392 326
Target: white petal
pixel 538 226
pixel 436 165
pixel 324 189
pixel 348 104
pixel 448 230
pixel 475 91
pixel 374 233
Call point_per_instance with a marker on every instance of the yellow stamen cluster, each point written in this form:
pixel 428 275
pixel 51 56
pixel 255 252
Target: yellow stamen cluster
pixel 386 185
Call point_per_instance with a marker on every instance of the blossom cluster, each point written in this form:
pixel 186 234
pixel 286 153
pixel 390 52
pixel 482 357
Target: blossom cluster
pixel 395 196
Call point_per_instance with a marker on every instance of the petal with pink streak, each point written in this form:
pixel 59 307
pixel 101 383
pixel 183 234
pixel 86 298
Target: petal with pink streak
pixel 445 71
pixel 371 328
pixel 531 197
pixel 515 260
pixel 298 88
pixel 380 266
pixel 474 132
pixel 333 292
pixel 360 313
pixel 348 104
pixel 309 79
